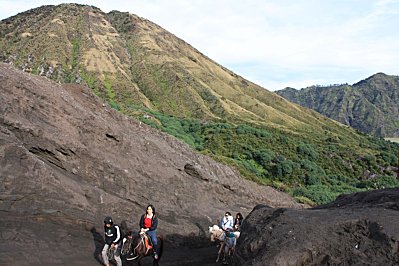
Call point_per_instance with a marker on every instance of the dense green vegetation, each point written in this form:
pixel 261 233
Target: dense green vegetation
pixel 313 171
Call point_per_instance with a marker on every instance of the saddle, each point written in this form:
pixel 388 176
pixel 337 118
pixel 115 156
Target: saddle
pixel 147 241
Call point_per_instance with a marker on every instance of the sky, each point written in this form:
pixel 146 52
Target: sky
pixel 274 43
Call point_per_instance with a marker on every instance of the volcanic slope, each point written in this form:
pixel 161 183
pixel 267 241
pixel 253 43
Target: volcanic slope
pixel 67 160
pixel 129 60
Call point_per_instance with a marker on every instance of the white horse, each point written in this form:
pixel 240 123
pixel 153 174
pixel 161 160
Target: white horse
pixel 227 244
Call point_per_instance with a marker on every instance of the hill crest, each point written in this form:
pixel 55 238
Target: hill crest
pixel 369 105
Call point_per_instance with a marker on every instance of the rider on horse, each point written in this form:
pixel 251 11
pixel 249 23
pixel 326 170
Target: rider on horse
pixel 148 224
pixel 112 237
pixel 227 221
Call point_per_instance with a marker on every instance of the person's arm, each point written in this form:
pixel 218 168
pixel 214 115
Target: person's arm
pixel 154 223
pixel 141 224
pixel 118 235
pixel 231 222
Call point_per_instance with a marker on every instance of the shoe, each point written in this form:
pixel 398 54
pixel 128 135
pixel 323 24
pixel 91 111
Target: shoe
pixel 155 256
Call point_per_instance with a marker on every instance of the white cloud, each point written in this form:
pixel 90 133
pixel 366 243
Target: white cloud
pixel 275 43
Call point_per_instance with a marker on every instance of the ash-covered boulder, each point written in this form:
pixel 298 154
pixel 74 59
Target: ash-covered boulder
pixel 356 229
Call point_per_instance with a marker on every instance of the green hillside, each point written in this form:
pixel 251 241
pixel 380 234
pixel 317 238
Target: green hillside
pixel 370 106
pixel 148 73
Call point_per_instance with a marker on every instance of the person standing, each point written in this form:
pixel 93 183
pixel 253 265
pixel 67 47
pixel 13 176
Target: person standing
pixel 112 238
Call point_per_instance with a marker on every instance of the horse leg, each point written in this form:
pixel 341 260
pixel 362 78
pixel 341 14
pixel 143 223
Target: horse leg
pixel 226 253
pixel 220 251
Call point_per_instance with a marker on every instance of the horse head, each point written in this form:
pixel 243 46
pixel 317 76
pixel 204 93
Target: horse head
pixel 216 233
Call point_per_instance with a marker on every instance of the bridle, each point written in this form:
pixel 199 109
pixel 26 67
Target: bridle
pixel 219 234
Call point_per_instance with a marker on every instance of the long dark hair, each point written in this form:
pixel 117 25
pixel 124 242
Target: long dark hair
pixel 152 207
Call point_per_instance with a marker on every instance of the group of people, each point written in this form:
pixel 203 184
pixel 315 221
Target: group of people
pixel 232 229
pixel 231 225
pixel 148 225
pixel 113 238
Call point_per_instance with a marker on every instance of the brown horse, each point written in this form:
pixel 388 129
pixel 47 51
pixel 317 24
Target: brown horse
pixel 135 248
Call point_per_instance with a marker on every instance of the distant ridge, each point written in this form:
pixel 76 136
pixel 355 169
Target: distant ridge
pixel 370 106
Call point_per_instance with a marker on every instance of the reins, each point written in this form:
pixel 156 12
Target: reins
pixel 140 243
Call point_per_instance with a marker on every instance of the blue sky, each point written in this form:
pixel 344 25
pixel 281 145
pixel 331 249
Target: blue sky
pixel 274 43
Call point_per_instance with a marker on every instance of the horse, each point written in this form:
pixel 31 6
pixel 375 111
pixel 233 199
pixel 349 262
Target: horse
pixel 227 244
pixel 134 248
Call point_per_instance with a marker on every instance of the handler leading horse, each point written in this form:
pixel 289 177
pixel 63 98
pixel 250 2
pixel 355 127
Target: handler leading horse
pixel 226 239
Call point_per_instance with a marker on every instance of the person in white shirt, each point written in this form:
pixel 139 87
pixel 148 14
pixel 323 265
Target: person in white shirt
pixel 227 222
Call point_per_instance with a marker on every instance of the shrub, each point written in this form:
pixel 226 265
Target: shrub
pixel 115 105
pixel 379 183
pixel 311 179
pixel 320 194
pixel 312 168
pixel 389 158
pixel 283 168
pixel 307 150
pixel 263 157
pixel 252 167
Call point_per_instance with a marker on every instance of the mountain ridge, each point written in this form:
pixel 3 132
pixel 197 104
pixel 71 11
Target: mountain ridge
pixel 368 105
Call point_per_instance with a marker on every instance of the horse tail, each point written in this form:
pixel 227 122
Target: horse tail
pixel 160 246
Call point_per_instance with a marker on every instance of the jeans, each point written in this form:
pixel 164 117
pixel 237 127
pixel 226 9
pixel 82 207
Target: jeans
pixel 153 235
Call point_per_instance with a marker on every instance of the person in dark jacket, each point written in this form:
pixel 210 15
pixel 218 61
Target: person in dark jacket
pixel 112 238
pixel 237 225
pixel 238 222
pixel 149 224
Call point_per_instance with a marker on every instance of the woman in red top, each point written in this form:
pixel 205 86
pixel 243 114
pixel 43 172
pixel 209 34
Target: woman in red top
pixel 149 224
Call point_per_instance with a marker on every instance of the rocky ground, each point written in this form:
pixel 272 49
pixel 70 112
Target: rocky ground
pixel 31 242
pixel 358 229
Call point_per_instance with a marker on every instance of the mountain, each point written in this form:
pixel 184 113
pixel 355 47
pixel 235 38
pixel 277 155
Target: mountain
pixel 361 229
pixel 147 73
pixel 68 160
pixel 370 106
pixel 128 60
